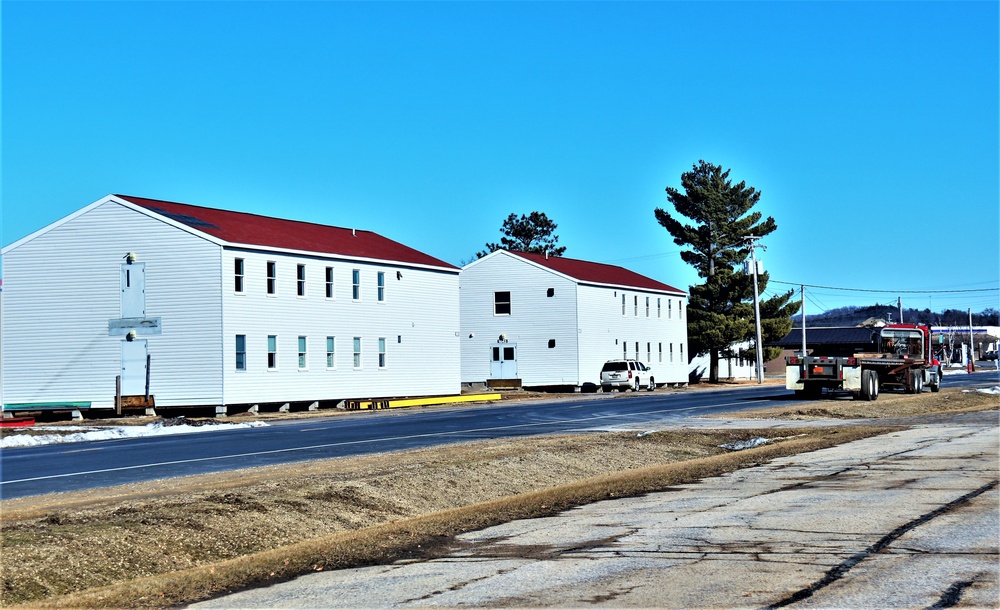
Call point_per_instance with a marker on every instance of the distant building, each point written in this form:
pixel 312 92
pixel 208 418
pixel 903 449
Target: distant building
pixel 215 307
pixel 533 320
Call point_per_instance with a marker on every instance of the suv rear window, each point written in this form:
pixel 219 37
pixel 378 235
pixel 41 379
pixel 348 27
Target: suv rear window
pixel 615 366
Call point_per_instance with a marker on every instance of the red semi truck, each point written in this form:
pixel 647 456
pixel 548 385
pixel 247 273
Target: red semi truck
pixel 900 357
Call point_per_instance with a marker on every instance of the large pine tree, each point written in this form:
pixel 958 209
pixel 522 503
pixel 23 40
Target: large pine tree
pixel 720 312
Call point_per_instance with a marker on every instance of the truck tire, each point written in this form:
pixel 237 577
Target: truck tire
pixel 869 385
pixel 919 382
pixel 936 384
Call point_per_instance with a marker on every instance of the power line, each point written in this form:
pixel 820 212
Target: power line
pixel 886 291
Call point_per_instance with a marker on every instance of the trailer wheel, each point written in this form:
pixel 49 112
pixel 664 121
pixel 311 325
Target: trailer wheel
pixel 869 385
pixel 918 386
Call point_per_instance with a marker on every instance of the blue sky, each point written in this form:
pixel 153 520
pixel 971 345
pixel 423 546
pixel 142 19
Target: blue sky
pixel 871 129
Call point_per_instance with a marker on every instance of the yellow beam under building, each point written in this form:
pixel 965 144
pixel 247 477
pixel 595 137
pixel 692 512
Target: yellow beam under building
pixel 362 405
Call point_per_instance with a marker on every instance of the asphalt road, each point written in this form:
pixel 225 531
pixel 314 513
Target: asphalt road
pixel 55 468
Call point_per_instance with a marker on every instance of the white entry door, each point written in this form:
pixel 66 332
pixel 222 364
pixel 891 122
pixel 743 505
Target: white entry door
pixel 503 361
pixel 134 367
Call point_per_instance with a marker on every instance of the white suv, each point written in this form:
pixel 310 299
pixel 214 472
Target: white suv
pixel 625 374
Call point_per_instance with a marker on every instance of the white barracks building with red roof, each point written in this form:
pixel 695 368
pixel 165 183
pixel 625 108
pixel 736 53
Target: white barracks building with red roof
pixel 533 320
pixel 208 307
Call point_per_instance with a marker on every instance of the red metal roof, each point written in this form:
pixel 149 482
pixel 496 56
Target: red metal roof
pixel 597 273
pixel 254 230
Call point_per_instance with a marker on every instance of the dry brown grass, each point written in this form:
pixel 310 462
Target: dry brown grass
pixel 267 532
pixel 889 405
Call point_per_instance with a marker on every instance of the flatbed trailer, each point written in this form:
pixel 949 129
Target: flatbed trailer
pixel 902 361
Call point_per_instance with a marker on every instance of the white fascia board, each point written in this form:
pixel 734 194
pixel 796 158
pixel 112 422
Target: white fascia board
pixel 338 257
pixel 679 293
pixel 487 257
pixel 57 223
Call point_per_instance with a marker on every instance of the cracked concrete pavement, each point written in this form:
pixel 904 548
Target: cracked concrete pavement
pixel 905 520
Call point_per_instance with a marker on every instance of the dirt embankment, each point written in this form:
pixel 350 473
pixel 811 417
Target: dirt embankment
pixel 176 541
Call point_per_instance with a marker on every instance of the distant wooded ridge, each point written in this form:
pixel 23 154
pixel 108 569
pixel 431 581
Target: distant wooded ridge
pixel 853 315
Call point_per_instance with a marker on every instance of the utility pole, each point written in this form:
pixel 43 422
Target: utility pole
pixel 803 320
pixel 899 303
pixel 972 348
pixel 752 243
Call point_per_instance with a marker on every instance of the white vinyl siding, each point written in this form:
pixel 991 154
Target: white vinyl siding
pixel 534 320
pixel 422 309
pixel 67 314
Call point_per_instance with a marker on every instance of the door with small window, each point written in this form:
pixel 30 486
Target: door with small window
pixel 503 361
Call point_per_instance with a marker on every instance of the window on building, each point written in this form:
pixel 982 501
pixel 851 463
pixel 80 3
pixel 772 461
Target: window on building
pixel 356 284
pixel 501 303
pixel 329 282
pixel 670 308
pixel 659 352
pixel 381 286
pixel 625 349
pixel 552 343
pixel 658 309
pixel 357 352
pixel 649 352
pixel 551 292
pixel 682 352
pixel 300 275
pixel 239 275
pixel 272 351
pixel 381 352
pixel 636 350
pixel 647 307
pixel 331 352
pixel 272 277
pixel 241 352
pixel 302 352
pixel 671 353
pixel 680 309
pixel 623 303
pixel 635 311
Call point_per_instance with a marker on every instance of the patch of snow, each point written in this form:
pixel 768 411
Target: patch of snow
pixel 994 390
pixel 157 428
pixel 642 434
pixel 748 444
